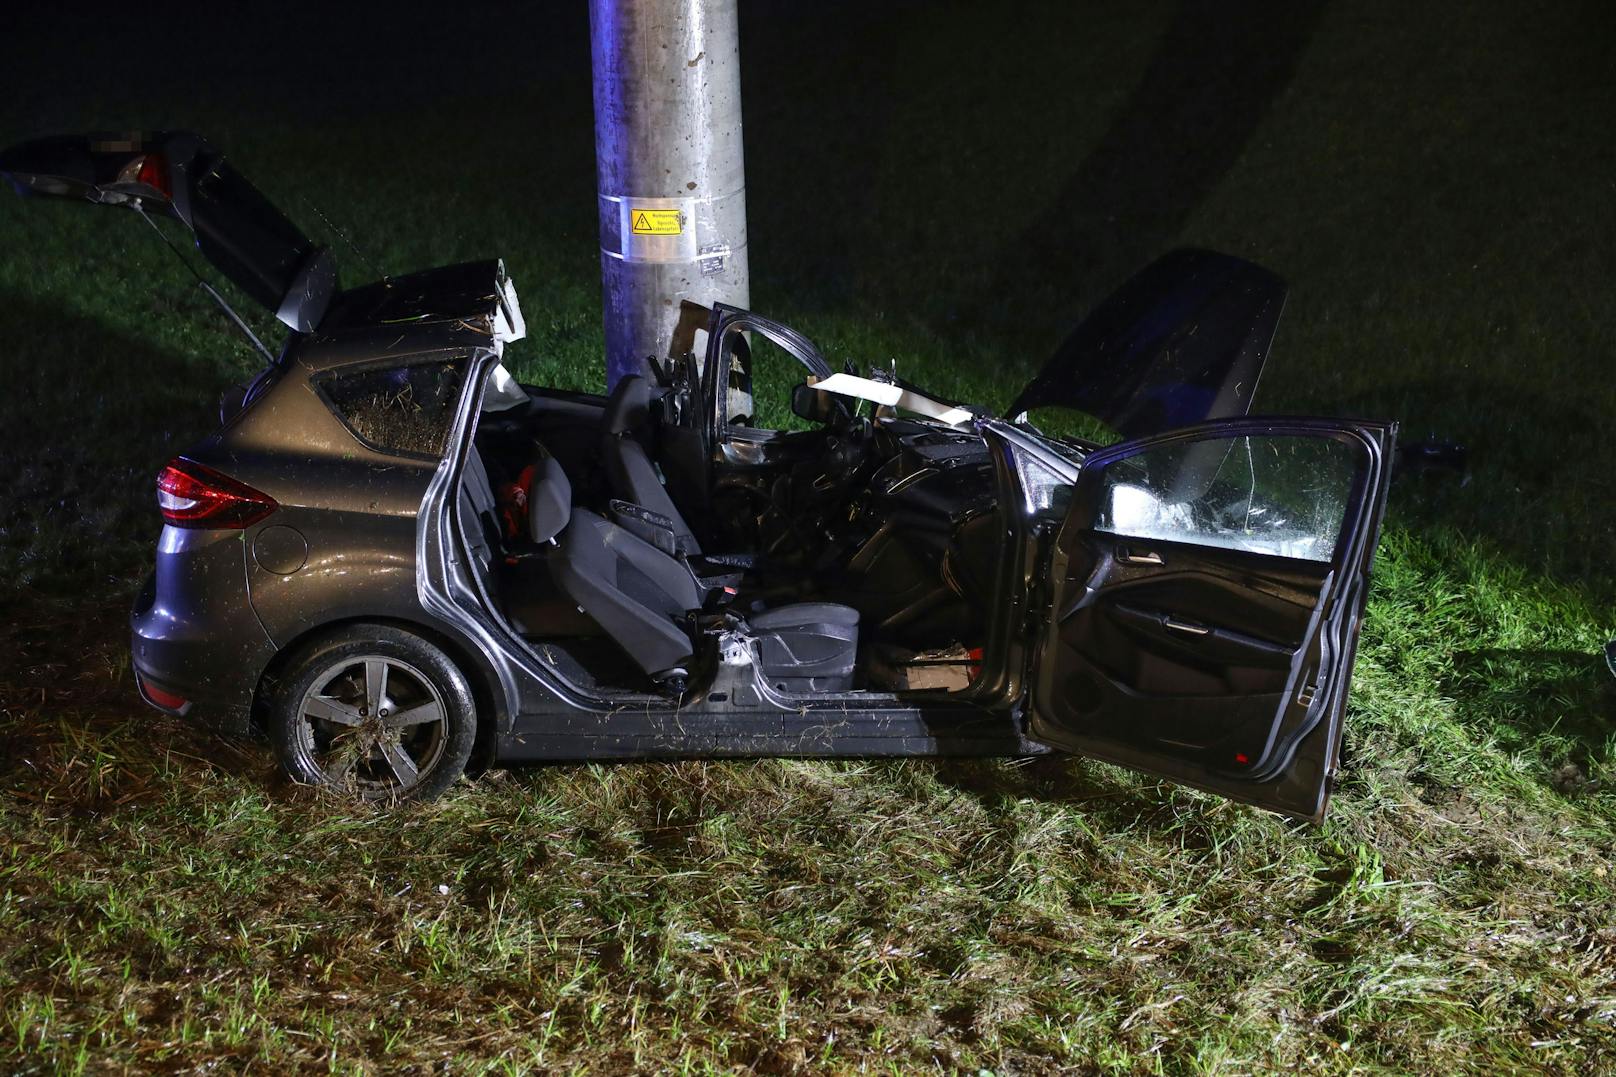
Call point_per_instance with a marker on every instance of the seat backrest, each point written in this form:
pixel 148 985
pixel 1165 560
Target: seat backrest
pixel 636 593
pixel 628 466
pixel 549 501
pixel 476 485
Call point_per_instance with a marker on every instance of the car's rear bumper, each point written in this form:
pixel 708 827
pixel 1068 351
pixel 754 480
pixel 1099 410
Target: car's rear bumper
pixel 196 646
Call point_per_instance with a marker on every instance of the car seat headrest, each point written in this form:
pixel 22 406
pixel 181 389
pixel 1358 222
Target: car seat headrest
pixel 629 405
pixel 549 501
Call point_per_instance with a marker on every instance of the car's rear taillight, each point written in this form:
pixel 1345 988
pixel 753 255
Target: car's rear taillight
pixel 193 495
pixel 149 169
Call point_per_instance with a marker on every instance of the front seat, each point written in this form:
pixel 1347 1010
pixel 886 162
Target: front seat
pixel 808 648
pixel 644 599
pixel 636 593
pixel 628 466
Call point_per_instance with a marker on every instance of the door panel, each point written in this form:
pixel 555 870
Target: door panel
pixel 1207 590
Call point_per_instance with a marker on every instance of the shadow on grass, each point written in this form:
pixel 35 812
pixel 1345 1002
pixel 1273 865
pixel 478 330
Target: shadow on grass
pixel 1536 487
pixel 75 729
pixel 1050 779
pixel 1213 77
pixel 821 140
pixel 1556 705
pixel 89 415
pixel 88 418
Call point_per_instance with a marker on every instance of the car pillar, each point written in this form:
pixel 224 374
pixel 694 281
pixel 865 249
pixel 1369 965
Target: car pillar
pixel 671 184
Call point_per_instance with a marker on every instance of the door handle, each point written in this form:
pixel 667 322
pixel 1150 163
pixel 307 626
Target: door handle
pixel 1139 557
pixel 1189 628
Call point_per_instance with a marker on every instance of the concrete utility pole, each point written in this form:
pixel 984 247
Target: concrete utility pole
pixel 672 187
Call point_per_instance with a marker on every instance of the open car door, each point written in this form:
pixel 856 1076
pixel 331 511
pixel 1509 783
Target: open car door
pixel 1207 589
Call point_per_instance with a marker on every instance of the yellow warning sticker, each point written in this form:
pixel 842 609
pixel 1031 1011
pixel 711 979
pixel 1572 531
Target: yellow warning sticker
pixel 656 222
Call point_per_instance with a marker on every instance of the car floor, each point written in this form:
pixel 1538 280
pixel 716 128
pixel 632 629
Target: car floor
pixel 593 665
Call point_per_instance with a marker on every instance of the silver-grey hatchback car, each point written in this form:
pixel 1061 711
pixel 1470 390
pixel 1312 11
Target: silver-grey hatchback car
pixel 391 555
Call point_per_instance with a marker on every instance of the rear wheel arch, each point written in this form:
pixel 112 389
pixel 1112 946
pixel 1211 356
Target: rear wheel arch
pixel 492 714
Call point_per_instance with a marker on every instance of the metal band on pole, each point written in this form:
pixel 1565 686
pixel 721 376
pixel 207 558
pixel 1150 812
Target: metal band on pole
pixel 671 181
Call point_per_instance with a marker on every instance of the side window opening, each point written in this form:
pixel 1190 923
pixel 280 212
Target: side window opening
pixel 404 409
pixel 761 375
pixel 737 372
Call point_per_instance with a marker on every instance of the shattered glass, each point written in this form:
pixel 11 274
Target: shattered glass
pixel 1284 495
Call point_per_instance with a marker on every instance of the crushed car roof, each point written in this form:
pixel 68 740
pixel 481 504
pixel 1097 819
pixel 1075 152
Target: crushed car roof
pixel 478 294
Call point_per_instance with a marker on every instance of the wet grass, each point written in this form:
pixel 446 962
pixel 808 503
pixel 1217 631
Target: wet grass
pixel 1435 182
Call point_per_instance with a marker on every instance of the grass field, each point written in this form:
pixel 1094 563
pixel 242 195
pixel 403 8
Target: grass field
pixel 930 185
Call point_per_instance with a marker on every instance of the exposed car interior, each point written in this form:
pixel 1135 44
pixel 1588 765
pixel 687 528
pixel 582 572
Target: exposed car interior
pixel 620 546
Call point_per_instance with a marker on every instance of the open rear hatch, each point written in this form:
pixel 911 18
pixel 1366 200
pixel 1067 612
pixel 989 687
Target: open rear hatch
pixel 1183 341
pixel 177 174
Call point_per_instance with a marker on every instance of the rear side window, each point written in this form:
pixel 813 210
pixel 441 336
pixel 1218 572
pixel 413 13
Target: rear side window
pixel 399 409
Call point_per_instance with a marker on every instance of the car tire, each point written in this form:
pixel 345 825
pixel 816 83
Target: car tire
pixel 372 711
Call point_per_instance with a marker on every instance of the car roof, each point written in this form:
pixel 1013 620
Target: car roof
pixel 458 307
pixel 319 352
pixel 466 292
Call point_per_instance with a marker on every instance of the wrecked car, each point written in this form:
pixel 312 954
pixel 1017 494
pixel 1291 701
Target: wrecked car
pixel 394 558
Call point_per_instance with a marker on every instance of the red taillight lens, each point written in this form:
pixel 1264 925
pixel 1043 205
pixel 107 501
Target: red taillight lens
pixel 149 169
pixel 153 174
pixel 192 495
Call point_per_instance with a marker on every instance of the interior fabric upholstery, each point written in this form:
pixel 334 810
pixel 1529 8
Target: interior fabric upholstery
pixel 808 647
pixel 802 613
pixel 477 487
pixel 549 501
pixel 640 595
pixel 628 465
pixel 635 592
pixel 629 405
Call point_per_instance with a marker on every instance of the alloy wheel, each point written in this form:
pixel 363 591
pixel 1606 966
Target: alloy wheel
pixel 373 725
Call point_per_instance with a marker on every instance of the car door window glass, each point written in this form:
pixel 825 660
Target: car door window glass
pixel 399 409
pixel 1277 494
